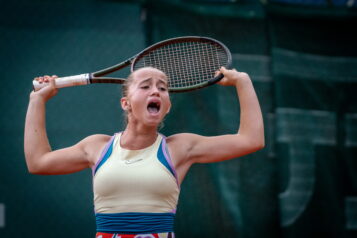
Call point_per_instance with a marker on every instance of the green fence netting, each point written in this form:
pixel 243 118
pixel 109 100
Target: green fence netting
pixel 303 63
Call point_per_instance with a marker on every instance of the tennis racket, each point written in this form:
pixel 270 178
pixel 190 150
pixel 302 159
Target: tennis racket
pixel 189 62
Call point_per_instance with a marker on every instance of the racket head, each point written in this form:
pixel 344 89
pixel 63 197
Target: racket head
pixel 189 62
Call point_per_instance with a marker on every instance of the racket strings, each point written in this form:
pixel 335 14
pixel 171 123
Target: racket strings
pixel 186 63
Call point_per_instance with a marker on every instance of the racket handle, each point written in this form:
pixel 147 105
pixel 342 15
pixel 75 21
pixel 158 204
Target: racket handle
pixel 70 81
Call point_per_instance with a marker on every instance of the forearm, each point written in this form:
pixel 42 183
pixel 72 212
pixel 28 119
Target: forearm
pixel 251 119
pixel 36 143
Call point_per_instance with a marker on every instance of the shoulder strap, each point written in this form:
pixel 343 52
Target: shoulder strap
pixel 164 157
pixel 107 151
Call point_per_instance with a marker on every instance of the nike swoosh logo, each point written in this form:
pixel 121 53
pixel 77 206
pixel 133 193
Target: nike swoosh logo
pixel 132 161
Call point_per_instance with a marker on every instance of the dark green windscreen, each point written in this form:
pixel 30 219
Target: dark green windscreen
pixel 303 63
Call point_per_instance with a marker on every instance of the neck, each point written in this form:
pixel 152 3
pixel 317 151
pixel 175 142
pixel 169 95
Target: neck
pixel 136 137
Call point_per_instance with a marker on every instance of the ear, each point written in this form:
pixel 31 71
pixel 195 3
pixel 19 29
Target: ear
pixel 125 104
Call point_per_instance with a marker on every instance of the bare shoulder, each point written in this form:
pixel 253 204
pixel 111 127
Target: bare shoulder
pixel 181 144
pixel 97 138
pixel 183 139
pixel 180 148
pixel 93 146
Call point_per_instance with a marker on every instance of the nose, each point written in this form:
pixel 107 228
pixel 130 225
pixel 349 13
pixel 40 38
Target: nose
pixel 155 91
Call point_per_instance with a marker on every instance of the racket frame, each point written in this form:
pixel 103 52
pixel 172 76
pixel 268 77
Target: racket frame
pixel 97 77
pixel 201 39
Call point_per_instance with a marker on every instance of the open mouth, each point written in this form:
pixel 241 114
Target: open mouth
pixel 154 107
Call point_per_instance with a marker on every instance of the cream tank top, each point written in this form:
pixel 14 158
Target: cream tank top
pixel 141 181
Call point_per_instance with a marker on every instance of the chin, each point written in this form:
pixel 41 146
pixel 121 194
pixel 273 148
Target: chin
pixel 153 123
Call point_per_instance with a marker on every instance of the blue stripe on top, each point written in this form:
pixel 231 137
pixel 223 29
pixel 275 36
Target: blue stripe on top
pixel 108 151
pixel 135 222
pixel 163 159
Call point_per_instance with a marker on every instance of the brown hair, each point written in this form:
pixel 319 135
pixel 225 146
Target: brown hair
pixel 124 91
pixel 126 84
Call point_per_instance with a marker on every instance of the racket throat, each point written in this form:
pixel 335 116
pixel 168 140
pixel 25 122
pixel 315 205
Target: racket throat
pixel 90 78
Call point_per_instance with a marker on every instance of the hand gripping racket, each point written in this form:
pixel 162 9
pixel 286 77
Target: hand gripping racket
pixel 189 62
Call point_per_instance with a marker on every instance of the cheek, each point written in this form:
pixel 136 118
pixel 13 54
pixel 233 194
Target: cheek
pixel 137 105
pixel 167 104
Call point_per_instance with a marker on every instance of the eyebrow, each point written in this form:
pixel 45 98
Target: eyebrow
pixel 150 79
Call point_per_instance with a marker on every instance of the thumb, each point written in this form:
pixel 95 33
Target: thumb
pixel 223 70
pixel 52 82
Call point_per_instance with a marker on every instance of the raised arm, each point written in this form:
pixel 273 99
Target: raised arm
pixel 39 156
pixel 190 148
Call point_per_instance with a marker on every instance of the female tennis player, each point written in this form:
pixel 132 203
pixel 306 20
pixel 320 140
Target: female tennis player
pixel 137 172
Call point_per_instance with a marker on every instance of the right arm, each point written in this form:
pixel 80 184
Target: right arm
pixel 39 156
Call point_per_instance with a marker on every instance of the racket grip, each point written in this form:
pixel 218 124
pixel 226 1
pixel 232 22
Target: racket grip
pixel 70 81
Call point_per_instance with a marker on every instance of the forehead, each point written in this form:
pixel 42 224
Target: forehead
pixel 146 73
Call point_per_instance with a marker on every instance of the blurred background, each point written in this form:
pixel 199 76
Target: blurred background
pixel 302 58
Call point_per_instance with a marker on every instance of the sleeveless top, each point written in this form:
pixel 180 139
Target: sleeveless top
pixel 135 191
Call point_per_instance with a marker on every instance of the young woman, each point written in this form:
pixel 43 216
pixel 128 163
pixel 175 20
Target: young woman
pixel 137 173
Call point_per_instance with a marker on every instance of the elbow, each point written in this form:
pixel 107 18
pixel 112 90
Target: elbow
pixel 258 144
pixel 260 140
pixel 36 171
pixel 261 143
pixel 33 168
pixel 256 147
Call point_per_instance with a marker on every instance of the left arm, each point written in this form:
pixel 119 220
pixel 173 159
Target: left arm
pixel 248 139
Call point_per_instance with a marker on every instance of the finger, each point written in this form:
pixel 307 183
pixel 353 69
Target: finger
pixel 47 78
pixel 223 70
pixel 52 82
